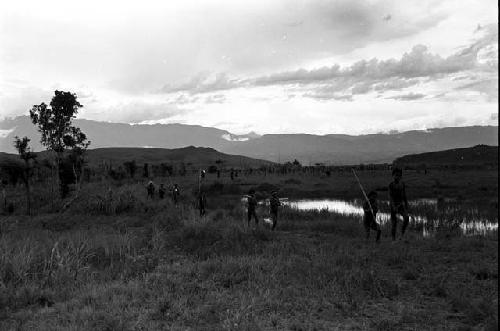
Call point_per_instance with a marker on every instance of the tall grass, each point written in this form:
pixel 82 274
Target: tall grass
pixel 120 261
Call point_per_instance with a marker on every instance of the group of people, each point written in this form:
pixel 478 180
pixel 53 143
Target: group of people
pixel 176 192
pixel 274 203
pixel 398 203
pixel 397 200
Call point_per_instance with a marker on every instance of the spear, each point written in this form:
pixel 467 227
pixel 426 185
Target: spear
pixel 364 193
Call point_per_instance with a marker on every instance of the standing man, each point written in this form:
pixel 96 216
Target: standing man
pixel 398 202
pixel 161 191
pixel 151 190
pixel 202 201
pixel 274 204
pixel 252 206
pixel 176 192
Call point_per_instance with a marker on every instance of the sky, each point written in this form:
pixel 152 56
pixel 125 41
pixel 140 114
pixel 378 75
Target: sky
pixel 267 66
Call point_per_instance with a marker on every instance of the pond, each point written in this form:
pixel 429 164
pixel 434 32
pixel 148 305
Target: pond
pixel 425 214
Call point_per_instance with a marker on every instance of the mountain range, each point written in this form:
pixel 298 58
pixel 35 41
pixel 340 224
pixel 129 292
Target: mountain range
pixel 336 149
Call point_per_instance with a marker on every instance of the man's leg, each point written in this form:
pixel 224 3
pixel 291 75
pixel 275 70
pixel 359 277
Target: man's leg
pixel 366 224
pixel 394 223
pixel 406 221
pixel 274 217
pixel 376 227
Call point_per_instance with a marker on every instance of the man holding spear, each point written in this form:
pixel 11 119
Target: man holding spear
pixel 370 209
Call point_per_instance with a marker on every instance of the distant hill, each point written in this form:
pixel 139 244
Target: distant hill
pixel 307 148
pixel 479 155
pixel 194 156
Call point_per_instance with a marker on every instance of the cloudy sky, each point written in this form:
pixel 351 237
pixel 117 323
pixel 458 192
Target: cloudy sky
pixel 269 66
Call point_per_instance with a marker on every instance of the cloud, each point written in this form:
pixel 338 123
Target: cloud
pixel 203 83
pixel 216 98
pixel 488 87
pixel 419 62
pixel 395 84
pixel 19 100
pixel 328 96
pixel 412 68
pixel 134 111
pixel 408 97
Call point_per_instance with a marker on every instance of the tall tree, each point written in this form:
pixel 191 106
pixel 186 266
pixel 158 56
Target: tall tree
pixel 58 133
pixel 28 157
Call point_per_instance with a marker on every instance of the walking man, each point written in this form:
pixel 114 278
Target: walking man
pixel 161 191
pixel 176 192
pixel 398 202
pixel 370 209
pixel 274 204
pixel 151 189
pixel 252 206
pixel 202 201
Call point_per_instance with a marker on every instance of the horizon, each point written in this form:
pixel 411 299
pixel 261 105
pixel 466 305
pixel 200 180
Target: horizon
pixel 390 132
pixel 316 67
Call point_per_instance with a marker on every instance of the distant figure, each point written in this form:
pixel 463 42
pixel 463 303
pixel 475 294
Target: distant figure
pixel 3 182
pixel 202 202
pixel 370 216
pixel 232 174
pixel 398 202
pixel 252 206
pixel 274 204
pixel 161 191
pixel 151 190
pixel 176 192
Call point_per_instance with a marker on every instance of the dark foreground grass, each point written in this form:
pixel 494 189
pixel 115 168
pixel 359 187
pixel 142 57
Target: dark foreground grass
pixel 175 271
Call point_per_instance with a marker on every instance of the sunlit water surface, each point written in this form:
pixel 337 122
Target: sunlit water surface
pixel 475 226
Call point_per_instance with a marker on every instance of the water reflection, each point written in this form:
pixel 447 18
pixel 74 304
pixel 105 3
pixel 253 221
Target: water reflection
pixel 429 223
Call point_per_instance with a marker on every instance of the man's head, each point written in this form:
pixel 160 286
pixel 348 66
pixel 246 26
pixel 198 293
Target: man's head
pixel 274 193
pixel 251 191
pixel 372 195
pixel 397 173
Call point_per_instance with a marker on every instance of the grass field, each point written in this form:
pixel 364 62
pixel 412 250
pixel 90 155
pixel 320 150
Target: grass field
pixel 116 261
